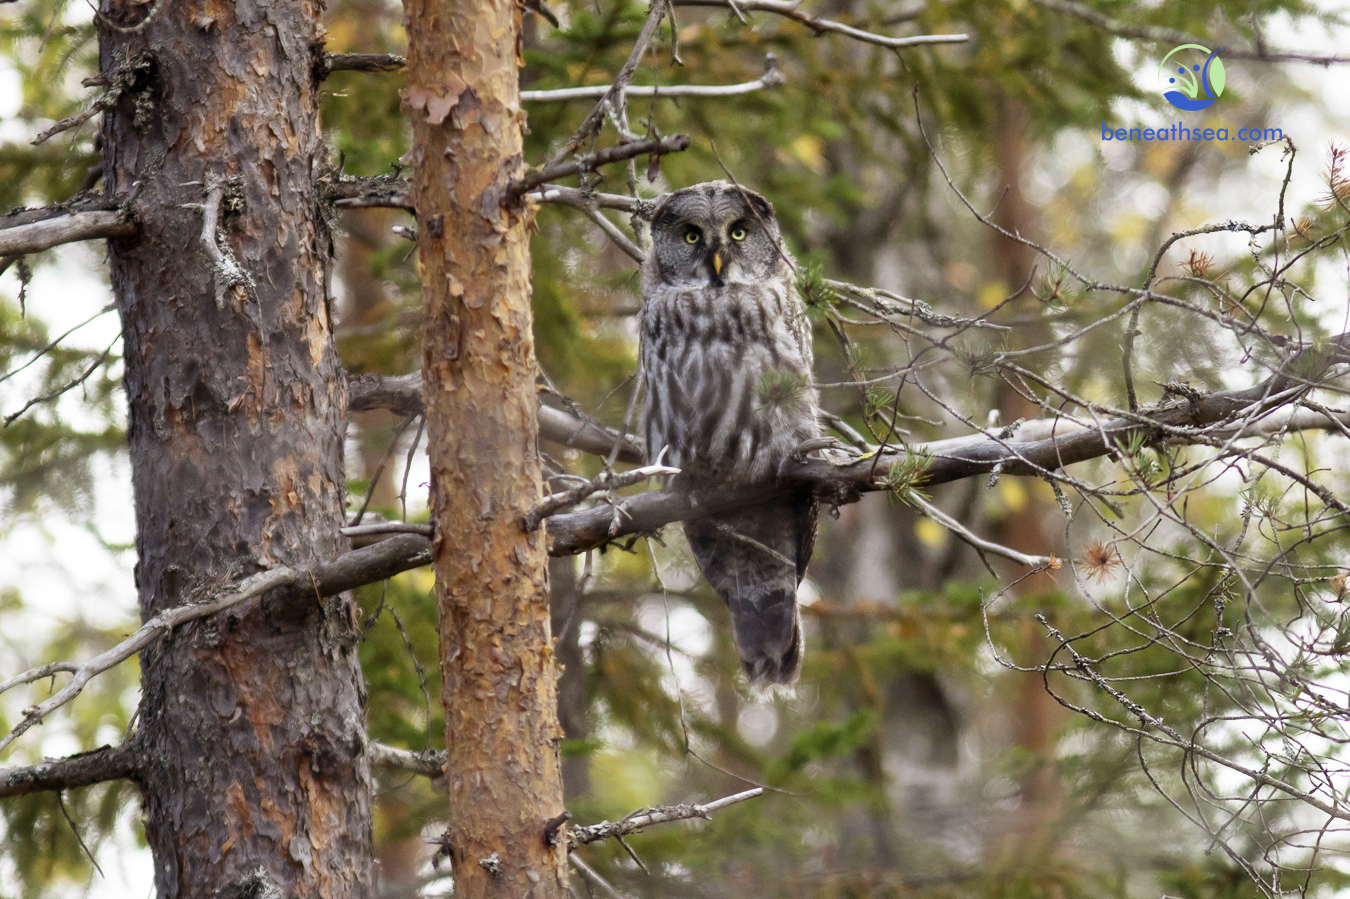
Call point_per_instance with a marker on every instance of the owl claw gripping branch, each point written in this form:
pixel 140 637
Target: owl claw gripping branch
pixel 726 355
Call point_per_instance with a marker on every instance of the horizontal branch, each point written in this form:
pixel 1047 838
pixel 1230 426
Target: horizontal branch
pixel 20 240
pixel 358 62
pixel 771 78
pixel 585 199
pixel 661 814
pixel 97 766
pixel 1198 418
pixel 361 566
pixel 593 161
pixel 429 763
pixel 403 394
pixel 790 9
pixel 383 191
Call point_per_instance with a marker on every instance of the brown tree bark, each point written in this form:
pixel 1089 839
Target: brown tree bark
pixel 498 674
pixel 251 728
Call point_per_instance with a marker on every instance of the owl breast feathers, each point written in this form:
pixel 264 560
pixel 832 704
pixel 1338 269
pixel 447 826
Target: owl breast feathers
pixel 726 358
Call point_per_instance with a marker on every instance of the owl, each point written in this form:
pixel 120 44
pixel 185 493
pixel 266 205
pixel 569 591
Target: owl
pixel 726 358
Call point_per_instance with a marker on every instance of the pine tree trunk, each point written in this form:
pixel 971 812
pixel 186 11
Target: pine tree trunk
pixel 499 679
pixel 251 727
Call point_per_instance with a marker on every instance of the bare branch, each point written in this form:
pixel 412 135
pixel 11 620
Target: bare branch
pixel 613 98
pixel 381 192
pixel 607 480
pixel 37 674
pixel 584 199
pixel 771 78
pixel 594 877
pixel 358 62
pixel 430 763
pixel 617 153
pixel 360 566
pixel 661 814
pixel 789 9
pixel 20 240
pixel 96 766
pixel 225 267
pixel 403 394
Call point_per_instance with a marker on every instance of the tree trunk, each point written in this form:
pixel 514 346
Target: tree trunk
pixel 251 727
pixel 499 680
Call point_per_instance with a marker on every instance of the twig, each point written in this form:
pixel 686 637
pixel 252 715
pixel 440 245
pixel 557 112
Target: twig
pixel 21 240
pixel 970 537
pixel 228 273
pixel 60 391
pixel 591 124
pixel 594 877
pixel 590 163
pixel 49 347
pixel 661 814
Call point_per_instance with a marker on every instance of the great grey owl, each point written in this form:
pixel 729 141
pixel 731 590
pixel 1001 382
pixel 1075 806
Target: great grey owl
pixel 726 357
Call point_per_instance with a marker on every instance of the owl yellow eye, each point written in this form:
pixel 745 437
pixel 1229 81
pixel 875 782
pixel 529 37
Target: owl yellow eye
pixel 738 232
pixel 693 235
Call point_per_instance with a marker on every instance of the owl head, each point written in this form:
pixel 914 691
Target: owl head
pixel 713 234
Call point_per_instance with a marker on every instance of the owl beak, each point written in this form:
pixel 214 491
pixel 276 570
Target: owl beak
pixel 717 262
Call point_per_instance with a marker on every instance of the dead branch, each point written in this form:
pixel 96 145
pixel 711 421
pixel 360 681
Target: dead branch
pixel 360 566
pixel 357 62
pixel 590 163
pixel 20 240
pixel 37 674
pixel 607 480
pixel 225 267
pixel 771 78
pixel 585 199
pixel 1188 420
pixel 789 9
pixel 430 763
pixel 1198 419
pixel 648 817
pixel 96 766
pixel 403 394
pixel 594 877
pixel 613 98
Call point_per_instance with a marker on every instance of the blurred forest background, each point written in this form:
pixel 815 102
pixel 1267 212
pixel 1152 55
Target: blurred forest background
pixel 921 754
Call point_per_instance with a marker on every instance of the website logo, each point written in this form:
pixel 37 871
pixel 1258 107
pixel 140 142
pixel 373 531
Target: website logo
pixel 1188 84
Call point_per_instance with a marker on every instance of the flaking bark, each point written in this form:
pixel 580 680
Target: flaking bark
pixel 479 370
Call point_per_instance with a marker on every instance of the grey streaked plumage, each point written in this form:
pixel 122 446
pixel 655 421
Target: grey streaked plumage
pixel 726 355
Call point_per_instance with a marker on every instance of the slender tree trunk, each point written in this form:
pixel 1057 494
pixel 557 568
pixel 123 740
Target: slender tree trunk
pixel 499 679
pixel 251 726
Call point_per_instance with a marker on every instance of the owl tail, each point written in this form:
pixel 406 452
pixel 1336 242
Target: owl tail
pixel 754 558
